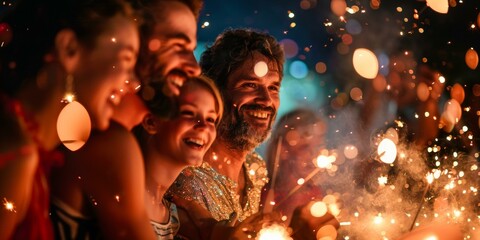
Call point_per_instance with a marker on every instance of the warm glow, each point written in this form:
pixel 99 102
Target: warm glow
pixel 273 232
pixel 429 178
pixel 260 69
pixel 73 126
pixel 378 219
pixel 365 63
pixel 8 205
pixel 382 180
pixel 350 151
pixel 338 7
pixel 452 112
pixel 318 209
pixel 387 151
pixel 458 93
pixel 327 232
pixel 325 161
pixel 440 6
pixel 422 92
pixel 471 58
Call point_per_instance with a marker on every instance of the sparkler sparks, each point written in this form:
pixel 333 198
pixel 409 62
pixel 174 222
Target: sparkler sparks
pixel 8 205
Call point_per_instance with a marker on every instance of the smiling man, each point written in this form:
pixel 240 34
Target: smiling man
pixel 247 68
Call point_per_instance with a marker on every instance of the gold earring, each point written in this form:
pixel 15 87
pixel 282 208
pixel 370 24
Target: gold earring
pixel 73 122
pixel 69 92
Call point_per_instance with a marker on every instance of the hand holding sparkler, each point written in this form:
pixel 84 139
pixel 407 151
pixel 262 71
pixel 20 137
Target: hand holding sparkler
pixel 309 224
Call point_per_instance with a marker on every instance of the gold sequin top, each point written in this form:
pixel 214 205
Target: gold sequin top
pixel 217 193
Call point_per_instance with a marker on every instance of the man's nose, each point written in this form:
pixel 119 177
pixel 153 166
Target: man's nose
pixel 264 96
pixel 191 66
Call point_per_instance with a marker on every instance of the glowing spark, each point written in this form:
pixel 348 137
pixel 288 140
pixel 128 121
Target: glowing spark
pixel 441 79
pixel 378 219
pixel 117 197
pixel 382 180
pixel 273 232
pixel 430 177
pixel 325 161
pixel 300 181
pixel 8 205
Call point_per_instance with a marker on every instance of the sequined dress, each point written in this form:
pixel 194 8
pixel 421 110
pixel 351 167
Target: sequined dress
pixel 217 193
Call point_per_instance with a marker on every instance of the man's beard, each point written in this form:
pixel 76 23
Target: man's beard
pixel 241 135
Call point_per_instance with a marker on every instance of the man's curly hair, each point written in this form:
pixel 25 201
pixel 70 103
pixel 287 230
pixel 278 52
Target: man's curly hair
pixel 232 48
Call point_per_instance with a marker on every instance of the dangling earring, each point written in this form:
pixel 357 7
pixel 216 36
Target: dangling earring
pixel 69 93
pixel 73 122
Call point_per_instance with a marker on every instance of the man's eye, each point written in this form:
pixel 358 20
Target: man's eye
pixel 274 88
pixel 249 85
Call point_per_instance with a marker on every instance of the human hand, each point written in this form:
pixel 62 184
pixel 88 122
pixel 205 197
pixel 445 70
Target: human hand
pixel 258 224
pixel 305 226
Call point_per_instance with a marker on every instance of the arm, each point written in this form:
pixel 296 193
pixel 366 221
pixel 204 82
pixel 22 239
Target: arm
pixel 116 185
pixel 18 164
pixel 16 180
pixel 305 226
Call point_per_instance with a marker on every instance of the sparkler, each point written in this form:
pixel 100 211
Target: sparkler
pixel 297 187
pixel 429 178
pixel 268 205
pixel 8 205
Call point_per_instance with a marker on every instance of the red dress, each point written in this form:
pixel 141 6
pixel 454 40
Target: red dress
pixel 36 224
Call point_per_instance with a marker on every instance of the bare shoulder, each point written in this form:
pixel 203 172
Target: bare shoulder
pixel 113 147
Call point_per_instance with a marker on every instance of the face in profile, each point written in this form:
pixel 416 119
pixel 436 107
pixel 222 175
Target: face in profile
pixel 252 103
pixel 301 146
pixel 171 47
pixel 102 72
pixel 186 137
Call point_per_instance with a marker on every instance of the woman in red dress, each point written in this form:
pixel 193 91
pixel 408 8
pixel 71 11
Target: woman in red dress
pixel 49 48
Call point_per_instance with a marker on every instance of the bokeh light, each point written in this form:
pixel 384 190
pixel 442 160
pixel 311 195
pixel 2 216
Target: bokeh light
pixel 387 151
pixel 298 69
pixel 290 48
pixel 350 151
pixel 471 58
pixel 260 69
pixel 458 93
pixel 440 6
pixel 338 7
pixel 327 232
pixel 321 67
pixel 365 63
pixel 318 209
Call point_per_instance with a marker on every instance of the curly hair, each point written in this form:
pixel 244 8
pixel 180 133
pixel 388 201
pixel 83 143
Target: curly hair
pixel 233 47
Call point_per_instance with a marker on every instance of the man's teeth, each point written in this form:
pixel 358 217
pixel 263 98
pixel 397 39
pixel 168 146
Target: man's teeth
pixel 262 115
pixel 198 142
pixel 178 81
